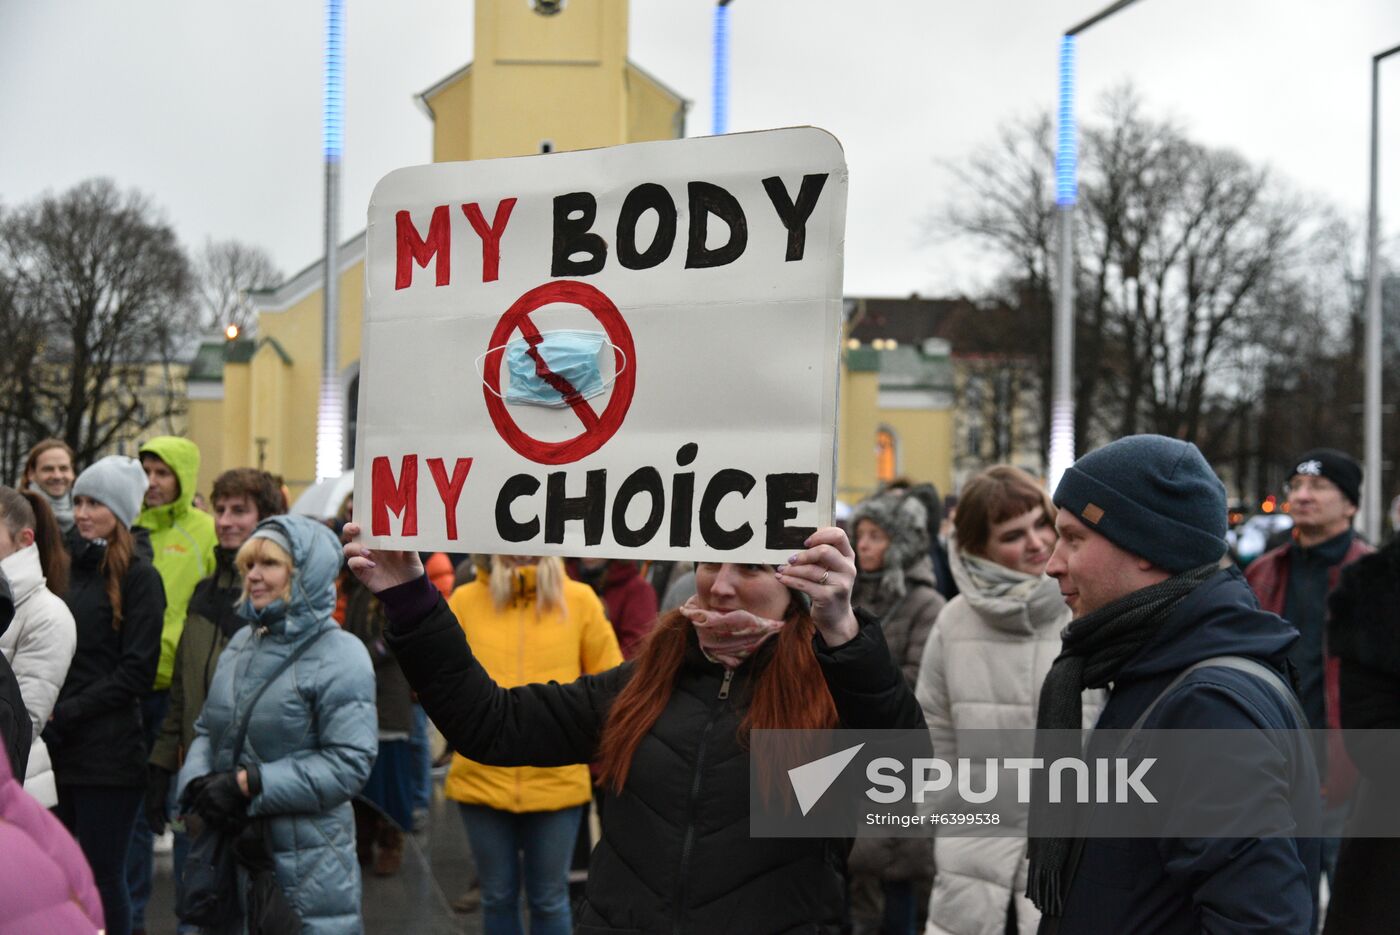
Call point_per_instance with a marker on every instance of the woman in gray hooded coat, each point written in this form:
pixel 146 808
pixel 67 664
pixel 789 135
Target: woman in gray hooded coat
pixel 313 734
pixel 890 877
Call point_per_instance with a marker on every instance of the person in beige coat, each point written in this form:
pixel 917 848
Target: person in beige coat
pixel 982 668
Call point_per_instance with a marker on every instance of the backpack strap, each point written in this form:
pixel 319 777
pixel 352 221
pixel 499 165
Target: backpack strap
pixel 1244 664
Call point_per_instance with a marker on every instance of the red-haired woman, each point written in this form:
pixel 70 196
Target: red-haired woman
pixel 94 735
pixel 670 729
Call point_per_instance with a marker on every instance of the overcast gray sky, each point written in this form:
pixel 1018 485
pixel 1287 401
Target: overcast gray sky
pixel 215 109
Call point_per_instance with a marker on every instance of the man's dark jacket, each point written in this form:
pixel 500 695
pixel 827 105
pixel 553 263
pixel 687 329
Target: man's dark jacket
pixel 1217 885
pixel 675 855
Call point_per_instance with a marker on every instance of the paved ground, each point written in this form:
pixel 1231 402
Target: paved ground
pixel 437 867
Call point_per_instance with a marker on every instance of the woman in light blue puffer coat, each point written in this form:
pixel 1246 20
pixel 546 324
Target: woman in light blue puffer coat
pixel 313 734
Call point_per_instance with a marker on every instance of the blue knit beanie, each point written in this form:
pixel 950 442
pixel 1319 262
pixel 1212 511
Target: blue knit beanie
pixel 1153 496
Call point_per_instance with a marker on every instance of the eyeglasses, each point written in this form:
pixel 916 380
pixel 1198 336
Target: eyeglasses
pixel 1314 483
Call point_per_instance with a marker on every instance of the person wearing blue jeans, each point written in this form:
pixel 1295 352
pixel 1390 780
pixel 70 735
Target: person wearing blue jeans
pixel 534 845
pixel 422 761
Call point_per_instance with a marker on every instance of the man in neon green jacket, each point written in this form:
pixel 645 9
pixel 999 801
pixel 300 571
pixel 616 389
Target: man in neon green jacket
pixel 183 540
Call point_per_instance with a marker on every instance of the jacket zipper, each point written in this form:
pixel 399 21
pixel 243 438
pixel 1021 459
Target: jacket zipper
pixel 688 842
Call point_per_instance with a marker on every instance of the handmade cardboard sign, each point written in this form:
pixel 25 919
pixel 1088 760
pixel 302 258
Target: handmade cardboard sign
pixel 616 352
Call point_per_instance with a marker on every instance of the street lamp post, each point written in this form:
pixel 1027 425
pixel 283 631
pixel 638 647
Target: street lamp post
pixel 719 119
pixel 1066 194
pixel 330 410
pixel 1371 491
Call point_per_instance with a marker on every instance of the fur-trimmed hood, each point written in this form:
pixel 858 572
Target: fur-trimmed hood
pixel 905 520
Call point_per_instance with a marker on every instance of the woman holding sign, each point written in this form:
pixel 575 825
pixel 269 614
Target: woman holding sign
pixel 757 647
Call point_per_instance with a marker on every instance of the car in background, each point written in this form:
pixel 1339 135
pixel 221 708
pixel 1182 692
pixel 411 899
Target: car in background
pixel 1256 535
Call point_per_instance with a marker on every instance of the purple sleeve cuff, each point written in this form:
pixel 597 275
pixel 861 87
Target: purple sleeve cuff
pixel 406 604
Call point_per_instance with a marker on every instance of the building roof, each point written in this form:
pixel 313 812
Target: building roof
pixel 299 286
pixel 971 329
pixel 207 365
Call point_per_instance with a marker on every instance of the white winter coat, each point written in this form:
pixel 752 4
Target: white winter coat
pixel 983 667
pixel 39 646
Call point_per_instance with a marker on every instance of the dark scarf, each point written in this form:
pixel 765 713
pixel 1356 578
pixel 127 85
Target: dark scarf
pixel 1094 650
pixel 216 597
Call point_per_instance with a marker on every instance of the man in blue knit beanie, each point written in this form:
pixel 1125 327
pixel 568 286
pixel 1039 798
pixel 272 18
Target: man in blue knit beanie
pixel 1179 642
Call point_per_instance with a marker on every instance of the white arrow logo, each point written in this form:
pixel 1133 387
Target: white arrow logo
pixel 811 780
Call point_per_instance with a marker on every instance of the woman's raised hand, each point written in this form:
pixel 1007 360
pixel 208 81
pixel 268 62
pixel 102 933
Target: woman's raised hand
pixel 826 572
pixel 381 569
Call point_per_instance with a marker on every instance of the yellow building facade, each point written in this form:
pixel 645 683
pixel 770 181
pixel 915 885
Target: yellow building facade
pixel 539 81
pixel 895 418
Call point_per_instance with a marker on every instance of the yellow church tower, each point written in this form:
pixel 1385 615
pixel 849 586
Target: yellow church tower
pixel 546 76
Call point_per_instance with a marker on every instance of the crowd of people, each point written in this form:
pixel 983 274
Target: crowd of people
pixel 261 682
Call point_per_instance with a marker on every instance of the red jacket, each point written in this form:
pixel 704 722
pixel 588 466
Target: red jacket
pixel 629 601
pixel 1268 576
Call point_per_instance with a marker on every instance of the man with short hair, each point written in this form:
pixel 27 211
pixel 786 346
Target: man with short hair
pixel 183 541
pixel 50 469
pixel 1142 530
pixel 1294 581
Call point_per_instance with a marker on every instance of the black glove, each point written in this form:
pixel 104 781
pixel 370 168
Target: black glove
pixel 157 794
pixel 221 803
pixel 191 793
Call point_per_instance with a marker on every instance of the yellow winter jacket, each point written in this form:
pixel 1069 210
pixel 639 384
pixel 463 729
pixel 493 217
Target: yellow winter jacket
pixel 518 646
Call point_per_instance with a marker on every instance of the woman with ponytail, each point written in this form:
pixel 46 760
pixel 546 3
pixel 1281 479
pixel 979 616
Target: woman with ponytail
pixel 94 735
pixel 39 642
pixel 758 647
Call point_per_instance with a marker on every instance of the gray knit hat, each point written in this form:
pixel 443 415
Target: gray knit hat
pixel 118 483
pixel 273 533
pixel 1153 496
pixel 905 520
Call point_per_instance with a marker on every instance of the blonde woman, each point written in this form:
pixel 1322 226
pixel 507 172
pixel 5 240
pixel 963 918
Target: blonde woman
pixel 527 621
pixel 311 734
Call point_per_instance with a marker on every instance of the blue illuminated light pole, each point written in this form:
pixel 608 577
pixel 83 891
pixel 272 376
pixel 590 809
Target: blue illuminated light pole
pixel 330 412
pixel 1066 194
pixel 1371 492
pixel 720 118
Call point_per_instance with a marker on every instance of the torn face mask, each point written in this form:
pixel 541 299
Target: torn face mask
pixel 560 369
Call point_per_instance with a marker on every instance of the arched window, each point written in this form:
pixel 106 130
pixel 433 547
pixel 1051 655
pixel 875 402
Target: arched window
pixel 886 454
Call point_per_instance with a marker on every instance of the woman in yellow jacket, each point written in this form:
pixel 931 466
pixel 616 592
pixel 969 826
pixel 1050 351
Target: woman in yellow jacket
pixel 527 621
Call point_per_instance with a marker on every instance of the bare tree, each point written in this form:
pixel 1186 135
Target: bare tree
pixel 227 270
pixel 96 293
pixel 1181 250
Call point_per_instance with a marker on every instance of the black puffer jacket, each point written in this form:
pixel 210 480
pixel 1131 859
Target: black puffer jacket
pixel 675 855
pixel 95 736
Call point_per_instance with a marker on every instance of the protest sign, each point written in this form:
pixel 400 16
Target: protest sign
pixel 619 352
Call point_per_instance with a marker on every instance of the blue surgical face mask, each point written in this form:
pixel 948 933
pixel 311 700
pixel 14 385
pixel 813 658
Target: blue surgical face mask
pixel 571 356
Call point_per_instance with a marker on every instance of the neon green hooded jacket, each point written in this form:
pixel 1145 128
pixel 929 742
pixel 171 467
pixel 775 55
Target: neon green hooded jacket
pixel 183 540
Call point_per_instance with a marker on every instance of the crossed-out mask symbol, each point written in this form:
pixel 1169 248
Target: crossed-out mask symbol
pixel 535 379
pixel 555 369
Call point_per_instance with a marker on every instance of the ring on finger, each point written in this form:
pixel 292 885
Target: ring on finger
pixel 825 575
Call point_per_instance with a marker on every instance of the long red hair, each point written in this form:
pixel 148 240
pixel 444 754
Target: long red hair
pixel 788 694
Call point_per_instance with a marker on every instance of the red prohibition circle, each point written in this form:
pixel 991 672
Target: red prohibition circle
pixel 597 429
